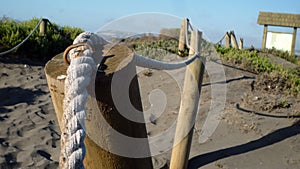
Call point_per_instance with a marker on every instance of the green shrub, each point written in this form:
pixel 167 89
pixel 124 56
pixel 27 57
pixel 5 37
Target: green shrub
pixel 284 55
pixel 37 46
pixel 252 61
pixel 153 47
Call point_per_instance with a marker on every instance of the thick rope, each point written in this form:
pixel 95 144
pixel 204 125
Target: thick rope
pixel 190 25
pixel 186 35
pixel 155 64
pixel 21 43
pixel 220 41
pixel 187 26
pixel 79 78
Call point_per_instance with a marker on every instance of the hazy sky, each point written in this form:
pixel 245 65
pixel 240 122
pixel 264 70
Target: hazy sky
pixel 213 17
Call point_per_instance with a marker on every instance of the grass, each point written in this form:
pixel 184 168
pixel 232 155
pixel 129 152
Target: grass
pixel 158 46
pixel 252 61
pixel 284 55
pixel 37 46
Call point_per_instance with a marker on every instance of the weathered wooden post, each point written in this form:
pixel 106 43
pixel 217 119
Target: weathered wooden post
pixel 188 106
pixel 233 40
pixel 241 44
pixel 182 37
pixel 227 40
pixel 96 156
pixel 293 41
pixel 43 26
pixel 264 42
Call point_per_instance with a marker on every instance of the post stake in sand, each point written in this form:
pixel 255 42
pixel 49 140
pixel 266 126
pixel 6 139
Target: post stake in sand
pixel 189 106
pixel 96 156
pixel 182 37
pixel 227 40
pixel 233 40
pixel 43 27
pixel 241 44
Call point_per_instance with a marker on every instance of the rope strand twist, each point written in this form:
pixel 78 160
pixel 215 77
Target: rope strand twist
pixel 77 82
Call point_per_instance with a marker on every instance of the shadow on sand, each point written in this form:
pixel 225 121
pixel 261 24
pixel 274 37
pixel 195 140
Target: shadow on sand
pixel 264 114
pixel 270 139
pixel 230 80
pixel 13 95
pixel 233 67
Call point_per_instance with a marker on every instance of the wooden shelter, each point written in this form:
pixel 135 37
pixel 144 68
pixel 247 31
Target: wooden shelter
pixel 279 19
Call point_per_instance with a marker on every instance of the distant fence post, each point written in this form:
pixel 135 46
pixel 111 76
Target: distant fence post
pixel 43 27
pixel 189 106
pixel 233 40
pixel 182 37
pixel 227 40
pixel 241 44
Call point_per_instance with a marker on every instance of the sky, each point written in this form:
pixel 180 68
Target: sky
pixel 213 17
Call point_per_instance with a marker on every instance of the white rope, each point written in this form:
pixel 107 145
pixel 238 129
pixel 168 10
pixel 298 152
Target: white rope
pixel 17 46
pixel 186 33
pixel 79 77
pixel 155 64
pixel 190 25
pixel 187 26
pixel 220 41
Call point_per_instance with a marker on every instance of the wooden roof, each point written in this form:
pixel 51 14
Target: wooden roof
pixel 279 19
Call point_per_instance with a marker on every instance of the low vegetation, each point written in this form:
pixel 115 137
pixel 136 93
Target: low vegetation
pixel 284 55
pixel 53 42
pixel 288 79
pixel 158 46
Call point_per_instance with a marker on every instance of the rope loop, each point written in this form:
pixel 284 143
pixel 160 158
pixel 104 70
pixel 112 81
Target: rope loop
pixel 77 45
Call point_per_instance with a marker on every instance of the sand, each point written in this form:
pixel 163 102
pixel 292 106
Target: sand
pixel 30 133
pixel 252 133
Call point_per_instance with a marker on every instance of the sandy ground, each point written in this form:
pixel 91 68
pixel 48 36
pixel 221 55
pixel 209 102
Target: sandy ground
pixel 259 128
pixel 29 134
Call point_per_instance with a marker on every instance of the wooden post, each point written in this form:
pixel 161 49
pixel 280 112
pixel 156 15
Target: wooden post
pixel 182 37
pixel 227 40
pixel 293 41
pixel 96 156
pixel 233 40
pixel 188 106
pixel 264 37
pixel 241 44
pixel 43 27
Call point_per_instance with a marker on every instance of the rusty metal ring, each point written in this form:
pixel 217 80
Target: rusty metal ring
pixel 66 52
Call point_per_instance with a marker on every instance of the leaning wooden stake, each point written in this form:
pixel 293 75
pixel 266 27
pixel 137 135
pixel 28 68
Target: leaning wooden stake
pixel 188 107
pixel 241 44
pixel 182 37
pixel 96 156
pixel 227 40
pixel 233 40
